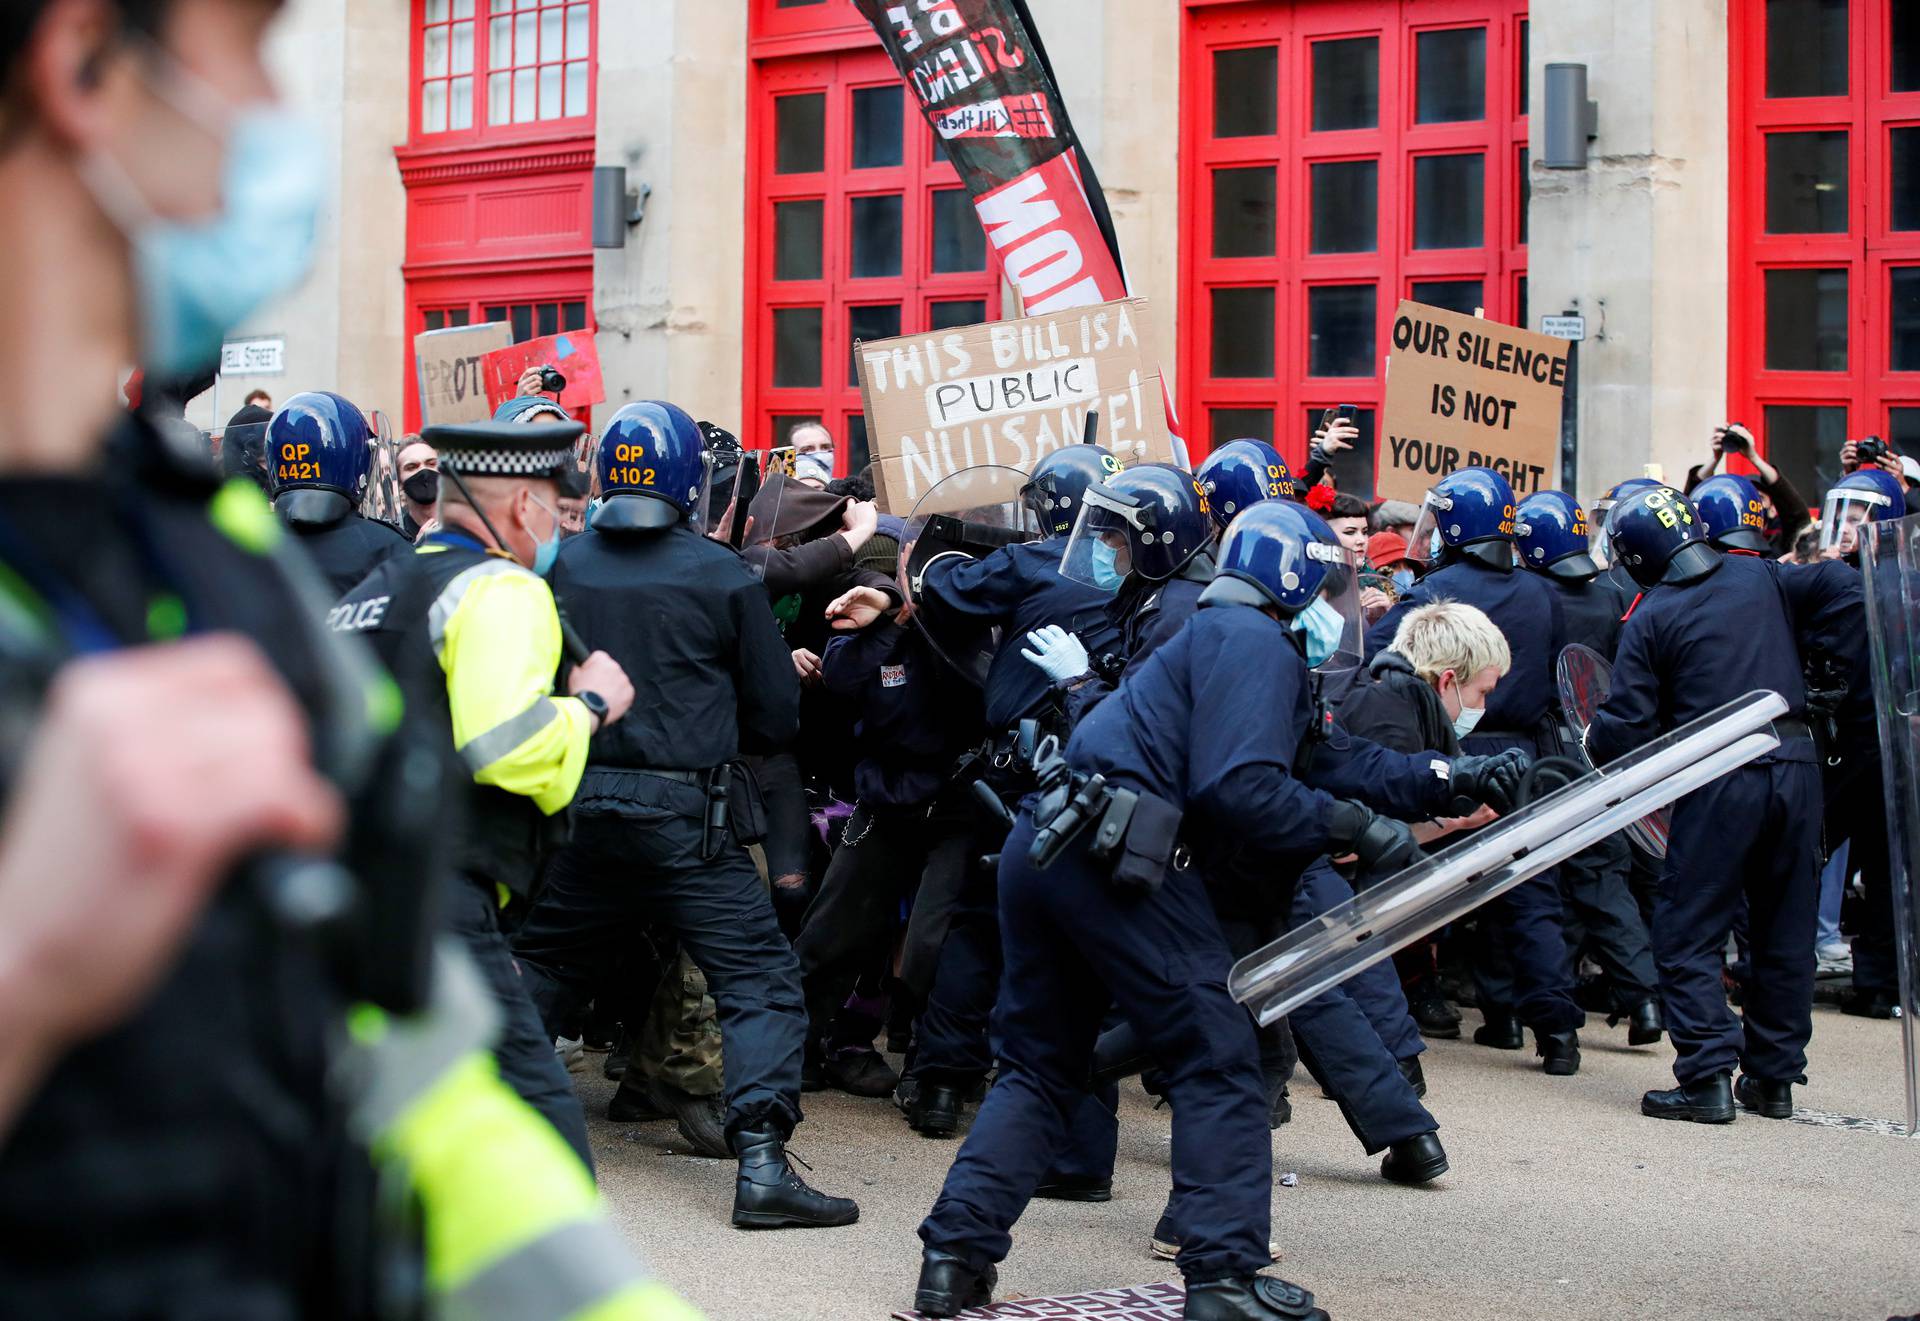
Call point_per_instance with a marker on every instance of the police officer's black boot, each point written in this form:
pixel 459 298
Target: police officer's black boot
pixel 1501 1030
pixel 948 1286
pixel 1769 1100
pixel 1707 1100
pixel 1415 1160
pixel 1869 1002
pixel 1415 1075
pixel 1250 1298
pixel 935 1112
pixel 1559 1052
pixel 769 1195
pixel 1644 1024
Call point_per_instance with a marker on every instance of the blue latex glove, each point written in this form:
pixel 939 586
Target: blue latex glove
pixel 1058 653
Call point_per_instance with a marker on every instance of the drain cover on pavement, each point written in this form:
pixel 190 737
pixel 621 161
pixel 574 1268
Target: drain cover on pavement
pixel 1148 1302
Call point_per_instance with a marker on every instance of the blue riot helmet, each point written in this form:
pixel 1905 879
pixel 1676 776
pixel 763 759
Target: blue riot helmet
pixel 652 469
pixel 1467 513
pixel 1550 532
pixel 1150 520
pixel 1869 495
pixel 1734 514
pixel 319 454
pixel 1658 537
pixel 1056 483
pixel 1240 474
pixel 1281 555
pixel 1597 513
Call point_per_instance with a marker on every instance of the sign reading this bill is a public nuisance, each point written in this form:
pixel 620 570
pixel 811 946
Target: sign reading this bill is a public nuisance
pixel 453 387
pixel 1007 393
pixel 1463 392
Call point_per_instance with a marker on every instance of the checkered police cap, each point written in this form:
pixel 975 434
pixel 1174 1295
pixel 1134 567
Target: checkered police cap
pixel 506 449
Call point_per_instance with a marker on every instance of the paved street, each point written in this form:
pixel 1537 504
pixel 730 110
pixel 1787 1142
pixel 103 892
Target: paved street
pixel 1563 1202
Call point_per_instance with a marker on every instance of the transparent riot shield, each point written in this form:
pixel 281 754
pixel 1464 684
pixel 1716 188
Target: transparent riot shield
pixel 1585 680
pixel 1891 562
pixel 383 498
pixel 1452 883
pixel 970 514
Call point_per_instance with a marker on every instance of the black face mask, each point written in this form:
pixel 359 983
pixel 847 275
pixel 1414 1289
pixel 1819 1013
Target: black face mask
pixel 423 488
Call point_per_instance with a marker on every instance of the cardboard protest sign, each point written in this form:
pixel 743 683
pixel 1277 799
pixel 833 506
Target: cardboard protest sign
pixel 451 385
pixel 1463 392
pixel 573 354
pixel 1008 393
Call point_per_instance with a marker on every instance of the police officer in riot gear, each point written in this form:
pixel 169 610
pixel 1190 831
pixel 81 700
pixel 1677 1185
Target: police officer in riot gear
pixel 1710 628
pixel 1830 611
pixel 665 811
pixel 1732 513
pixel 1020 589
pixel 1101 905
pixel 1550 533
pixel 1156 519
pixel 1150 524
pixel 319 455
pixel 1240 474
pixel 1466 533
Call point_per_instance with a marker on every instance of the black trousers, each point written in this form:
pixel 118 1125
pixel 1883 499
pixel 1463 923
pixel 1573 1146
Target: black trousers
pixel 1601 917
pixel 525 1046
pixel 1754 834
pixel 888 854
pixel 643 865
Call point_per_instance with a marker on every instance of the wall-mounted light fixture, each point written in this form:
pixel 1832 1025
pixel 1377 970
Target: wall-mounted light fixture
pixel 616 208
pixel 1572 120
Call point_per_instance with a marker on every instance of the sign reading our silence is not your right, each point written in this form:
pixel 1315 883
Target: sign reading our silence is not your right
pixel 1464 392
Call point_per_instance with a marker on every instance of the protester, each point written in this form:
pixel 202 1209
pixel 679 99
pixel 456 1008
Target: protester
pixel 1786 510
pixel 420 486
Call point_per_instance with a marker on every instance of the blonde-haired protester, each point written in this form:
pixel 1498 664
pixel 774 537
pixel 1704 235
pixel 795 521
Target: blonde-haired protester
pixel 1425 693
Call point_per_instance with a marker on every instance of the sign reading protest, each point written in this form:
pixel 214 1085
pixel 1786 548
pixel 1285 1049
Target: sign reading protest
pixel 573 354
pixel 1008 392
pixel 452 388
pixel 1464 393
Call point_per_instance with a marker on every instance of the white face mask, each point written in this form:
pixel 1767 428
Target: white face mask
pixel 1469 717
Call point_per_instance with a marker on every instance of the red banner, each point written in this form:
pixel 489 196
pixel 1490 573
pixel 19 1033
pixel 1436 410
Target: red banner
pixel 573 354
pixel 986 88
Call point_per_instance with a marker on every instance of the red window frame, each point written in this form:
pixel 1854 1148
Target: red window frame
pixel 1499 263
pixel 1870 249
pixel 851 60
pixel 482 131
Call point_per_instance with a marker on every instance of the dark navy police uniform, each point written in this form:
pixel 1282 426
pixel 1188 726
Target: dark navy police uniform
pixel 1685 651
pixel 1212 725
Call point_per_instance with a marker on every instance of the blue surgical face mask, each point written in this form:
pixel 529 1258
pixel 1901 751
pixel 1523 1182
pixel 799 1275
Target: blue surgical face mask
pixel 548 550
pixel 1324 627
pixel 1403 580
pixel 1434 546
pixel 198 281
pixel 1104 560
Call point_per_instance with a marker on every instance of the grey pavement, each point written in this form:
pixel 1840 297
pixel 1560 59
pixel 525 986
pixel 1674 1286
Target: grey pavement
pixel 1563 1201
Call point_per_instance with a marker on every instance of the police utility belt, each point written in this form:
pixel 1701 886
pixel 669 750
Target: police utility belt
pixel 1135 833
pixel 731 811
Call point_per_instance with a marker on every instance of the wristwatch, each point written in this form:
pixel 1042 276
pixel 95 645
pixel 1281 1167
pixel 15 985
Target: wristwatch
pixel 596 707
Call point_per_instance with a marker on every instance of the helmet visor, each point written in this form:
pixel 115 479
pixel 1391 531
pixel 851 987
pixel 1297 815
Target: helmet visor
pixel 1423 544
pixel 1331 624
pixel 1099 550
pixel 1846 512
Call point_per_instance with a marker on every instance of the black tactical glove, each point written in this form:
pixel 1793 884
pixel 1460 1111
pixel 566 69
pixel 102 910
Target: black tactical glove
pixel 1383 845
pixel 1491 780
